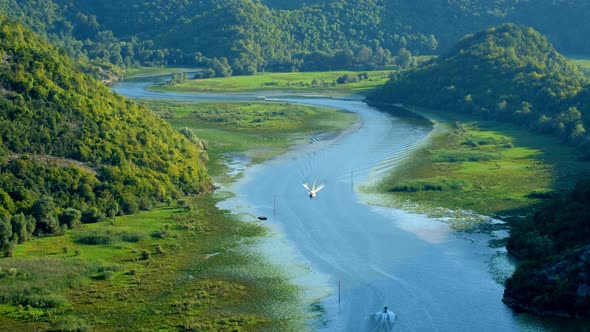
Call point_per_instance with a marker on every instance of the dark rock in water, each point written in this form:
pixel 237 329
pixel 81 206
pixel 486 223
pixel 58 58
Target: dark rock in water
pixel 556 287
pixel 262 217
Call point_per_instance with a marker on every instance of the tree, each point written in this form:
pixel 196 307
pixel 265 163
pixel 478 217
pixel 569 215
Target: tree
pixel 221 67
pixel 5 233
pixel 404 58
pixel 43 211
pixel 19 227
pixel 70 217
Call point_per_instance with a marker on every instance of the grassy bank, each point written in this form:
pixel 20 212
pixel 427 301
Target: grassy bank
pixel 483 167
pixel 259 130
pixel 314 82
pixel 186 267
pixel 167 269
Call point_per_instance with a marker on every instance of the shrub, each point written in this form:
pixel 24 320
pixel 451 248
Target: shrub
pixel 70 217
pixel 162 233
pixel 159 250
pixel 104 275
pixel 72 324
pixel 93 238
pixel 442 184
pixel 145 254
pixel 463 156
pixel 129 204
pixel 132 237
pixel 42 300
pixel 92 215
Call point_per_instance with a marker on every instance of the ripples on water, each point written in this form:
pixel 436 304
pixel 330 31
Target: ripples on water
pixel 435 281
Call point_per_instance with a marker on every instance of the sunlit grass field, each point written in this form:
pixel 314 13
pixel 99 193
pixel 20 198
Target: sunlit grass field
pixel 489 168
pixel 319 82
pixel 166 269
pixel 261 130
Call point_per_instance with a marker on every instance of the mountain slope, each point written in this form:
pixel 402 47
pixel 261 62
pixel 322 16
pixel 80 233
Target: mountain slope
pixel 507 72
pixel 555 278
pixel 66 138
pixel 282 35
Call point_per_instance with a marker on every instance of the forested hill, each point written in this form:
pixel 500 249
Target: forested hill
pixel 254 35
pixel 70 148
pixel 555 245
pixel 507 72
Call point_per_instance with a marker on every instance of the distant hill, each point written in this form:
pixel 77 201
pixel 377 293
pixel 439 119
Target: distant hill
pixel 509 73
pixel 283 35
pixel 67 142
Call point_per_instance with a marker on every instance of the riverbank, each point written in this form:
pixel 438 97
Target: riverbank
pixel 257 130
pixel 326 83
pixel 471 169
pixel 378 255
pixel 189 265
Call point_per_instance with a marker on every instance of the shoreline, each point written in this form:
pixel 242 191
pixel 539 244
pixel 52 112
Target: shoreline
pixel 528 154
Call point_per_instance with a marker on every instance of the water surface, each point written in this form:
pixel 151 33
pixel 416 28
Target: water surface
pixel 358 258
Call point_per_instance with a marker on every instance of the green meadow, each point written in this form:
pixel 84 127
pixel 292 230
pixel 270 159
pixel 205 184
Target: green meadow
pixel 260 130
pixel 173 268
pixel 320 82
pixel 470 169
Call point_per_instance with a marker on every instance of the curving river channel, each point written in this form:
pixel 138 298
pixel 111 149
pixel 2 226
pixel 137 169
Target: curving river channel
pixel 357 258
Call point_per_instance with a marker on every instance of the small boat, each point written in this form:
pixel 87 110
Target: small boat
pixel 314 188
pixel 262 217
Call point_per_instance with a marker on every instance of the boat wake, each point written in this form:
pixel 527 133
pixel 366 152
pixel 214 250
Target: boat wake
pixel 381 321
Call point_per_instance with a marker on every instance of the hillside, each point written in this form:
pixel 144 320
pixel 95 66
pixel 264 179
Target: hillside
pixel 71 149
pixel 555 246
pixel 508 73
pixel 282 35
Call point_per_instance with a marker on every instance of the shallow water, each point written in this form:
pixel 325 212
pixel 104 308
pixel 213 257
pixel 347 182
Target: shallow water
pixel 432 278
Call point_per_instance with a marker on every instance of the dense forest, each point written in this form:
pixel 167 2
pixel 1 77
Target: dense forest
pixel 246 36
pixel 508 73
pixel 72 151
pixel 555 246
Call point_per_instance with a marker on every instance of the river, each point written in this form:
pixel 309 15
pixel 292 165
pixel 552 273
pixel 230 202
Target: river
pixel 357 258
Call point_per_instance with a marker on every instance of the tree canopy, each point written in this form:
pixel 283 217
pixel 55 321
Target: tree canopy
pixel 66 141
pixel 555 246
pixel 280 35
pixel 509 73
